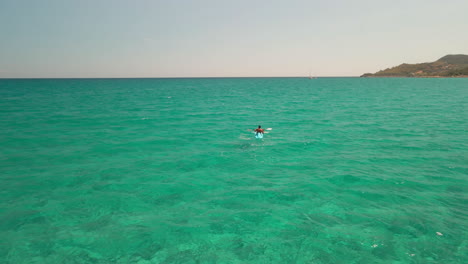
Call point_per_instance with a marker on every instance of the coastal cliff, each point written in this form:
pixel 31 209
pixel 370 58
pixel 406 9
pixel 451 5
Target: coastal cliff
pixel 447 66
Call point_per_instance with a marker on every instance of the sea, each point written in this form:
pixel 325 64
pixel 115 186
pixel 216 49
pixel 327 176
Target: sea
pixel 351 170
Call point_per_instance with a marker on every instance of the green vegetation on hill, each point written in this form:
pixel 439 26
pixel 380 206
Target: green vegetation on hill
pixel 447 66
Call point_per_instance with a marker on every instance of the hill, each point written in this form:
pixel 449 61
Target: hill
pixel 447 66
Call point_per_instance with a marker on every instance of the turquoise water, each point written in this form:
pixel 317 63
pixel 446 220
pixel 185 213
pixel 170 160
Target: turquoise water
pixel 164 171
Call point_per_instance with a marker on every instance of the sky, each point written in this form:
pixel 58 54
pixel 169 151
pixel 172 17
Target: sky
pixel 221 38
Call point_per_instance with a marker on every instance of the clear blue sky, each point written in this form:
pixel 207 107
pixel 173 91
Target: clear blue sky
pixel 189 38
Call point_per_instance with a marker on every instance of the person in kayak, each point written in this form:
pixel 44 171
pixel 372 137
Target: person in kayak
pixel 259 130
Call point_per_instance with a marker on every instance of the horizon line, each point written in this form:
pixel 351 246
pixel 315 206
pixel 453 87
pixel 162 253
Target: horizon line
pixel 186 77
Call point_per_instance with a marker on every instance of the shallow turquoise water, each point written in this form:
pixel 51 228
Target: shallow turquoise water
pixel 164 171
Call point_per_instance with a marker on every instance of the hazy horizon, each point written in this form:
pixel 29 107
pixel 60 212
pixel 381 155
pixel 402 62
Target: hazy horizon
pixel 183 77
pixel 216 39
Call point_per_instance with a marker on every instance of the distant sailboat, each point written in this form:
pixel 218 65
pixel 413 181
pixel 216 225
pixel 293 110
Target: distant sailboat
pixel 312 77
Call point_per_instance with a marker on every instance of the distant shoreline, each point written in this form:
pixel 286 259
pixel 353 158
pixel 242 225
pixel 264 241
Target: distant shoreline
pixel 449 66
pixel 417 77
